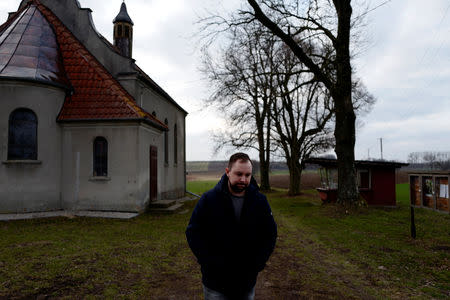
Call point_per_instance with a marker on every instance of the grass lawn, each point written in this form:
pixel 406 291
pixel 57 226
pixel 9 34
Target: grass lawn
pixel 321 253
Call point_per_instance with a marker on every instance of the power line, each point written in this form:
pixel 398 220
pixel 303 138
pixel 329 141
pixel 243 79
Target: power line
pixel 411 108
pixel 440 24
pixel 372 9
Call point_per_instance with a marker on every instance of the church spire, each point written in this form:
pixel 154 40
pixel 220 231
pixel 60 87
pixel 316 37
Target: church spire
pixel 123 31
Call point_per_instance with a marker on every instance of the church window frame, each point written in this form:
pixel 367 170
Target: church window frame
pixel 22 135
pixel 100 157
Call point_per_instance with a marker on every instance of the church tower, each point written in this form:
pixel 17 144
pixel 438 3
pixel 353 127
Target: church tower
pixel 123 31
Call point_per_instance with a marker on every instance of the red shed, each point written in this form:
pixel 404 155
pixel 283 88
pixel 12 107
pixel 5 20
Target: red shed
pixel 376 180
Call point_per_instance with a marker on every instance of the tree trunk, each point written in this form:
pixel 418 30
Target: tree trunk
pixel 263 162
pixel 264 174
pixel 345 143
pixel 295 176
pixel 344 132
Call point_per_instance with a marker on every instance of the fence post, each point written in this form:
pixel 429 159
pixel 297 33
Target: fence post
pixel 413 224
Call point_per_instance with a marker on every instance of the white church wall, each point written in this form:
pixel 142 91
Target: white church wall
pixel 119 190
pixel 149 136
pixel 31 185
pixel 171 176
pixel 174 171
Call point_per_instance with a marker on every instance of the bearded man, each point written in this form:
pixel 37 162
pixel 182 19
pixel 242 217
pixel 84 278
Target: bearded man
pixel 232 233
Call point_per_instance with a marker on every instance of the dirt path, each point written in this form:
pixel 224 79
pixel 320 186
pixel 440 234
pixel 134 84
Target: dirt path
pixel 301 268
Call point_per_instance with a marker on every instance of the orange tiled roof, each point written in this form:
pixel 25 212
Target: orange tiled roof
pixel 96 94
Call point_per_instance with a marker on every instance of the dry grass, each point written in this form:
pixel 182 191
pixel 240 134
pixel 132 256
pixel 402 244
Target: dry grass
pixel 321 253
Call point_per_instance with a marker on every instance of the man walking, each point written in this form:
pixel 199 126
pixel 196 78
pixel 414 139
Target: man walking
pixel 232 233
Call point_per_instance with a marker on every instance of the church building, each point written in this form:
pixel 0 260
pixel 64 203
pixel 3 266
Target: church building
pixel 82 127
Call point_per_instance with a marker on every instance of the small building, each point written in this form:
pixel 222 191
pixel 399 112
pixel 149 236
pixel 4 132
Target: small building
pixel 376 180
pixel 429 190
pixel 82 126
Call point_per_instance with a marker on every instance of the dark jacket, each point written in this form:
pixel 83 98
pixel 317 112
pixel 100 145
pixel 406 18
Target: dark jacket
pixel 231 252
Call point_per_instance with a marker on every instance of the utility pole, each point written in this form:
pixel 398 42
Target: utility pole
pixel 381 147
pixel 368 153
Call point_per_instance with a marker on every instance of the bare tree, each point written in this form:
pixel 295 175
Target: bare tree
pixel 432 159
pixel 326 23
pixel 303 113
pixel 311 40
pixel 413 158
pixel 429 159
pixel 242 91
pixel 301 116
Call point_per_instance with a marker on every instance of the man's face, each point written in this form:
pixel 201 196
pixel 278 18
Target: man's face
pixel 239 176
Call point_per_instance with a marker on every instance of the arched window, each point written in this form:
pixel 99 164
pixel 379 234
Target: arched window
pixel 127 31
pixel 119 30
pixel 22 135
pixel 100 156
pixel 175 144
pixel 166 143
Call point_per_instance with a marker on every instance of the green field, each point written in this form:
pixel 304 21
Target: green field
pixel 197 166
pixel 322 252
pixel 200 186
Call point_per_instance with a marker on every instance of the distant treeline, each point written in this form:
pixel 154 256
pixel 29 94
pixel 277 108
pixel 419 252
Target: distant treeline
pixel 429 160
pixel 219 166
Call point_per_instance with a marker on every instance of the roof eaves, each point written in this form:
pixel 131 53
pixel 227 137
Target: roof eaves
pixel 144 120
pixel 68 88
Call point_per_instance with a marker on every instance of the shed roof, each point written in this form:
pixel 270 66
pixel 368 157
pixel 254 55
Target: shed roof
pixel 329 162
pixel 428 172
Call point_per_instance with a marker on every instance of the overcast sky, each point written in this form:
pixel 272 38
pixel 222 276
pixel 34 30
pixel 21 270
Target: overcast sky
pixel 405 65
